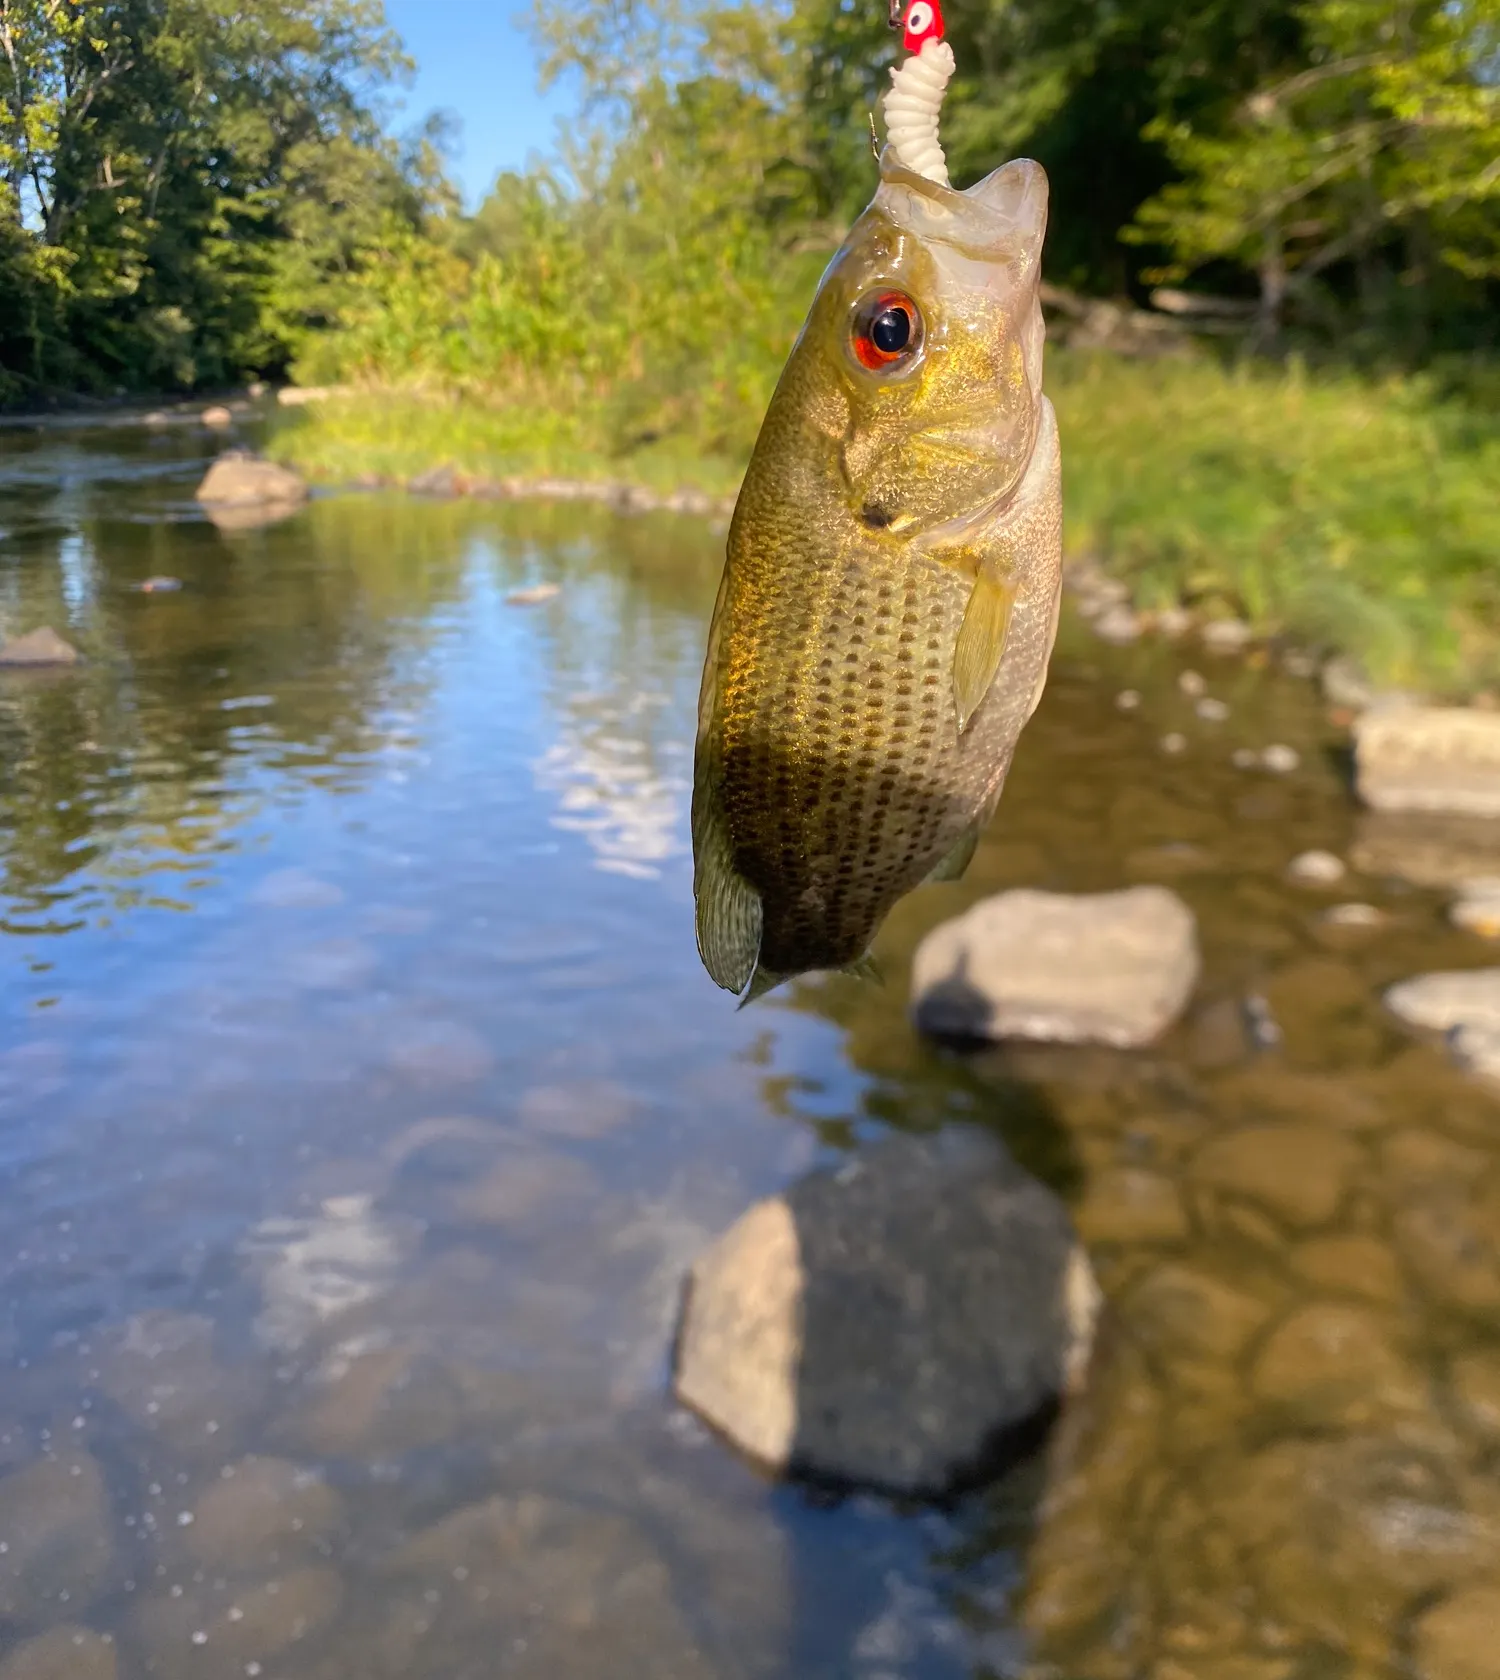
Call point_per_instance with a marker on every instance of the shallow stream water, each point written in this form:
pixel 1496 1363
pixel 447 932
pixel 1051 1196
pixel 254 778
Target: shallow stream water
pixel 362 1103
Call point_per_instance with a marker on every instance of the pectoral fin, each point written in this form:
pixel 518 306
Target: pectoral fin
pixel 981 643
pixel 958 859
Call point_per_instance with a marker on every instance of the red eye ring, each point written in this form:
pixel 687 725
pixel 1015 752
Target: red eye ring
pixel 886 331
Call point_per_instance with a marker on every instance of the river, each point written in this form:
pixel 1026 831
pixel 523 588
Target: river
pixel 362 1103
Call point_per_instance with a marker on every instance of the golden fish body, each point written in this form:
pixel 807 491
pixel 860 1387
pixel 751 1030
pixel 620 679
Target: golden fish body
pixel 891 587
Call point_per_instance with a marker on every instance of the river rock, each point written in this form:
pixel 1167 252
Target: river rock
pixel 1107 968
pixel 884 1323
pixel 1476 1387
pixel 1129 1205
pixel 1300 1174
pixel 1459 1639
pixel 1118 624
pixel 1477 908
pixel 544 1588
pixel 56 1537
pixel 1464 1005
pixel 217 418
pixel 436 481
pixel 261 1514
pixel 38 647
pixel 239 479
pixel 1427 848
pixel 1429 758
pixel 204 1631
pixel 1316 869
pixel 1332 1363
pixel 1226 635
pixel 65 1653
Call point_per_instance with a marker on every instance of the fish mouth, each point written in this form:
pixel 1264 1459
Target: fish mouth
pixel 1002 218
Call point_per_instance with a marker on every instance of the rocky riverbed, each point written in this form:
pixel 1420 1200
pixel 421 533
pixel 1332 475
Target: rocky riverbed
pixel 365 1109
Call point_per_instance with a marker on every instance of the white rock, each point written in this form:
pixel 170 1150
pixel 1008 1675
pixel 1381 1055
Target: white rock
pixel 38 647
pixel 1429 758
pixel 1317 869
pixel 1108 968
pixel 1192 683
pixel 1463 997
pixel 882 1323
pixel 1173 743
pixel 1280 760
pixel 1211 710
pixel 1226 635
pixel 1354 916
pixel 241 480
pixel 1478 909
pixel 1128 700
pixel 1118 624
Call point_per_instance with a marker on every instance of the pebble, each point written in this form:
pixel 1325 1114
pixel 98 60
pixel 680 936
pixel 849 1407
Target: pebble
pixel 1226 635
pixel 1316 869
pixel 1173 743
pixel 217 417
pixel 534 596
pixel 1355 915
pixel 1244 758
pixel 1280 759
pixel 1211 710
pixel 1192 683
pixel 1118 624
pixel 1128 700
pixel 1173 621
pixel 1477 908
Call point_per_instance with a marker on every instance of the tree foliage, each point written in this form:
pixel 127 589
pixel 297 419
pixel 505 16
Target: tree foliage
pixel 181 181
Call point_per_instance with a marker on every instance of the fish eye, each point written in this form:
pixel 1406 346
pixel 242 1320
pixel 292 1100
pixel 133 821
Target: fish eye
pixel 886 332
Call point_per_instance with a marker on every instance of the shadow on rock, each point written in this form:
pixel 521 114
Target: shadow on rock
pixel 905 1322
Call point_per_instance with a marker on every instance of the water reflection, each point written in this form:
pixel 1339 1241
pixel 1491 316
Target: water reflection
pixel 362 1102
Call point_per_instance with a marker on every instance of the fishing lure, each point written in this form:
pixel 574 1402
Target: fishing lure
pixel 915 100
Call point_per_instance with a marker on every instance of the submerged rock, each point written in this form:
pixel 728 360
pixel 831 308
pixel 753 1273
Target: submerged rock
pixel 1106 968
pixel 55 1537
pixel 1429 758
pixel 239 479
pixel 39 647
pixel 65 1653
pixel 1459 1639
pixel 1429 849
pixel 1118 623
pixel 436 481
pixel 884 1324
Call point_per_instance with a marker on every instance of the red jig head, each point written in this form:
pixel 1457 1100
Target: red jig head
pixel 924 23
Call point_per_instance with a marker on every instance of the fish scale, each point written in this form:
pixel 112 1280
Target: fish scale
pixel 890 590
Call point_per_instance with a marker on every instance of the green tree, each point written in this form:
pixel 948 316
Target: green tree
pixel 1376 163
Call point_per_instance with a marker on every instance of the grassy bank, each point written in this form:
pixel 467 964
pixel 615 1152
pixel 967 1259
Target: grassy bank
pixel 1356 517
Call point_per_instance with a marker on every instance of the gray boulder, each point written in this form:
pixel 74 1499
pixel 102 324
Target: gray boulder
pixel 38 647
pixel 1104 968
pixel 884 1324
pixel 239 479
pixel 1429 758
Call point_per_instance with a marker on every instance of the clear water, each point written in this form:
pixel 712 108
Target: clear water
pixel 362 1103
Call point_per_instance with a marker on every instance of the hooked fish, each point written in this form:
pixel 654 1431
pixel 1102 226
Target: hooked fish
pixel 891 586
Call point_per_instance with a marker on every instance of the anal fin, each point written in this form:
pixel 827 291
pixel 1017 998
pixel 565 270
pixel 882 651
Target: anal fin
pixel 952 865
pixel 980 645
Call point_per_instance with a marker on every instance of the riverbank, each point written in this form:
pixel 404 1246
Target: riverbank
pixel 1347 516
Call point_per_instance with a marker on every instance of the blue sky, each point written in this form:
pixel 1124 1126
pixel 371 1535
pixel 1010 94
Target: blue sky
pixel 474 59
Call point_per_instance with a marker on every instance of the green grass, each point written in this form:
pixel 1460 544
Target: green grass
pixel 396 436
pixel 1359 517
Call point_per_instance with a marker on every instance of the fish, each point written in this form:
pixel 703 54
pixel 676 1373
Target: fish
pixel 891 586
